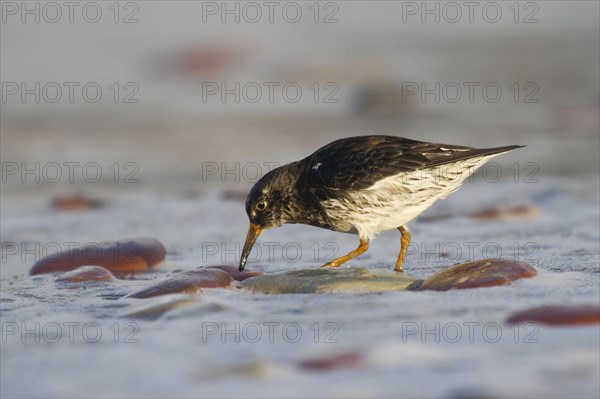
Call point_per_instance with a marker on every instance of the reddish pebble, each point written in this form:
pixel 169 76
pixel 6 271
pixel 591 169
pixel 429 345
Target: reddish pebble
pixel 480 273
pixel 557 315
pixel 123 256
pixel 74 203
pixel 235 272
pixel 206 60
pixel 332 362
pixel 516 212
pixel 85 273
pixel 187 282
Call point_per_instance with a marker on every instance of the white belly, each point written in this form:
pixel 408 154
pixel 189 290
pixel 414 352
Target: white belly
pixel 396 200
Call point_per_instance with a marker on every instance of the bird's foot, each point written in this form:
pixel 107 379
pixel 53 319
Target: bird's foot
pixel 399 265
pixel 330 265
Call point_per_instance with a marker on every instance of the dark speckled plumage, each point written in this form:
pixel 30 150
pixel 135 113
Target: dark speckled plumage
pixel 334 187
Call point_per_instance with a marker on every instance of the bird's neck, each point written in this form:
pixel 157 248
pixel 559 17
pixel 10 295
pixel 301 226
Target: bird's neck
pixel 299 205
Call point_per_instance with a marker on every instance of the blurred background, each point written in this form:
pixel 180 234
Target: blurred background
pixel 154 118
pixel 170 85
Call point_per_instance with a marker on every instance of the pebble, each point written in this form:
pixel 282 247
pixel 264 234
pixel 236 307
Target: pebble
pixel 157 307
pixel 356 280
pixel 517 212
pixel 557 315
pixel 473 393
pixel 123 256
pixel 204 61
pixel 382 100
pixel 234 195
pixel 75 203
pixel 499 213
pixel 86 274
pixel 333 362
pixel 235 272
pixel 189 282
pixel 253 369
pixel 480 273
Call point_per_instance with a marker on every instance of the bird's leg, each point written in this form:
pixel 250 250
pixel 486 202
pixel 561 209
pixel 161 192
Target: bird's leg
pixel 364 245
pixel 404 242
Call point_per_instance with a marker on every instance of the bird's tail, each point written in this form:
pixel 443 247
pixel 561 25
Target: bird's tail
pixel 468 153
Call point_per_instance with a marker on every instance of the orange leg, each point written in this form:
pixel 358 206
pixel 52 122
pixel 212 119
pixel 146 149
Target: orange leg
pixel 364 245
pixel 404 242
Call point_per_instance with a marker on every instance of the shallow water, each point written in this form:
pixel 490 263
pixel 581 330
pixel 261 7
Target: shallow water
pixel 230 342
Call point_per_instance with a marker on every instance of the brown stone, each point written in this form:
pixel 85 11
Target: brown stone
pixel 517 212
pixel 556 315
pixel 500 213
pixel 187 282
pixel 85 274
pixel 75 203
pixel 123 256
pixel 234 195
pixel 332 362
pixel 382 100
pixel 480 273
pixel 235 272
pixel 205 60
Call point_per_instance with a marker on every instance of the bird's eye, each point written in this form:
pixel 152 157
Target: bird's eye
pixel 261 206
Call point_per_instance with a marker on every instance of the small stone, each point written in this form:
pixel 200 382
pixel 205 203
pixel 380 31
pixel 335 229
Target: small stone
pixel 255 369
pixel 356 280
pixel 187 282
pixel 157 307
pixel 382 100
pixel 85 274
pixel 556 315
pixel 204 61
pixel 473 393
pixel 235 272
pixel 75 203
pixel 333 362
pixel 517 212
pixel 123 256
pixel 234 195
pixel 480 273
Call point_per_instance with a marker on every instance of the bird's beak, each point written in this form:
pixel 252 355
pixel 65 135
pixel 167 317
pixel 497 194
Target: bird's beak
pixel 253 233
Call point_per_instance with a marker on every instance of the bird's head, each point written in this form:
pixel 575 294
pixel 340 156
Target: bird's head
pixel 268 205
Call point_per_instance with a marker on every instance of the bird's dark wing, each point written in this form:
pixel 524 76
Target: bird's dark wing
pixel 359 162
